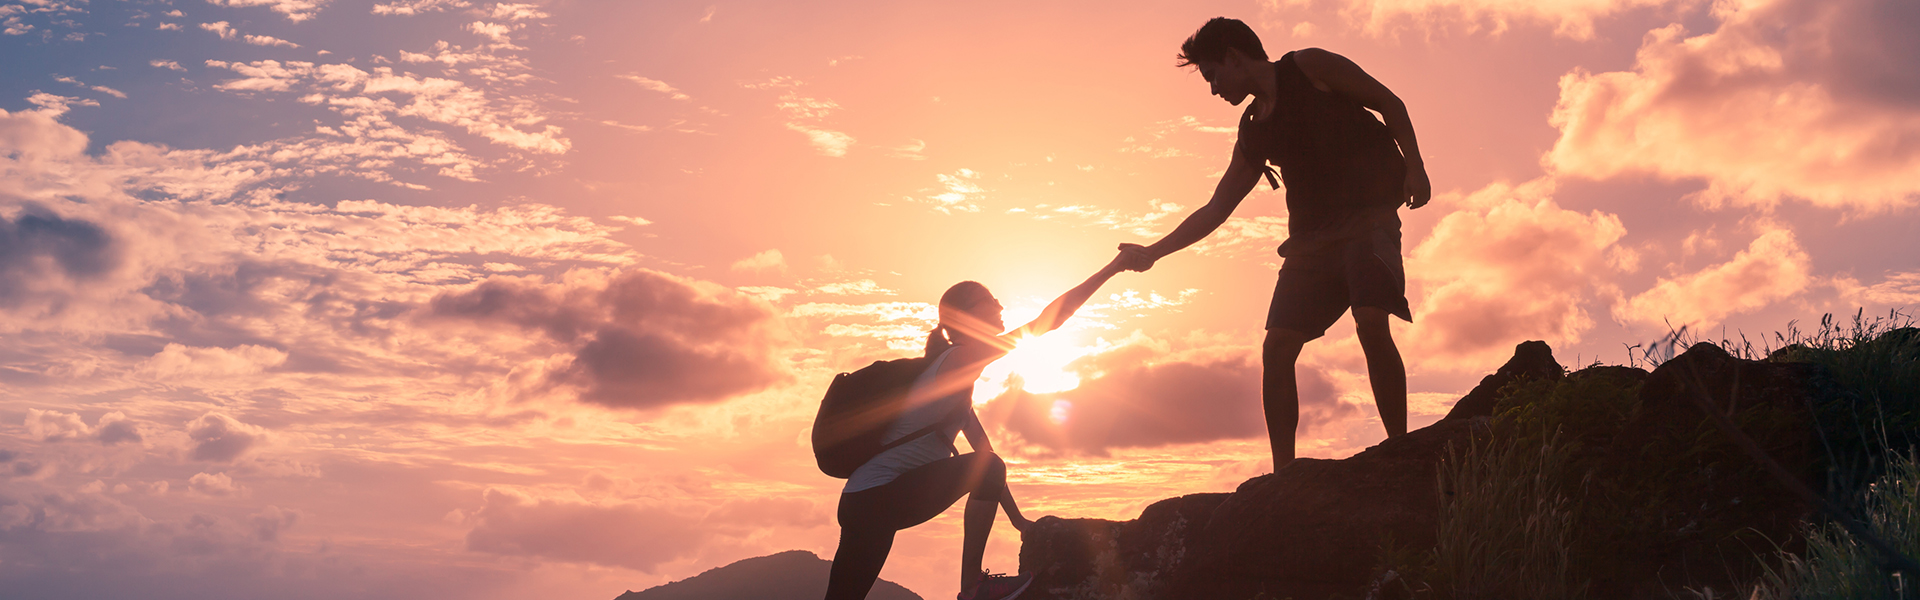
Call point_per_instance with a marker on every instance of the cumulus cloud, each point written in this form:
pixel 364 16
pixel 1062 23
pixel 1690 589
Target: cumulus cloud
pixel 631 535
pixel 166 64
pixel 212 484
pixel 220 28
pixel 958 192
pixel 221 438
pixel 54 426
pixel 295 10
pixel 1510 264
pixel 42 253
pixel 115 428
pixel 763 261
pixel 1810 99
pixel 638 338
pixel 1568 18
pixel 1774 267
pixel 1143 395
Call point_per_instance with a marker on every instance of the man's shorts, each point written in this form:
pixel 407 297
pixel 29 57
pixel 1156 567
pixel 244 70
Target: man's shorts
pixel 1318 286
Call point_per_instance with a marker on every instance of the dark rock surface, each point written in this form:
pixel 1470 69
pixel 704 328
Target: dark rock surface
pixel 1532 360
pixel 1316 528
pixel 790 575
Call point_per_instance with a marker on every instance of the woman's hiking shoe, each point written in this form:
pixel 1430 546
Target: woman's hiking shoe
pixel 999 587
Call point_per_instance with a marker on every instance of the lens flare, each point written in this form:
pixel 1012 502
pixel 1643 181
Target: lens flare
pixel 1037 365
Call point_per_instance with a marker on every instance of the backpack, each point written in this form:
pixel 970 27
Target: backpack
pixel 857 410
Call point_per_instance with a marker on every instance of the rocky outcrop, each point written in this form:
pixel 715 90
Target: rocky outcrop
pixel 1532 361
pixel 1319 528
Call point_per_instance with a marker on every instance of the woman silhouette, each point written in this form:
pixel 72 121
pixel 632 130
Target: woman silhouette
pixel 915 481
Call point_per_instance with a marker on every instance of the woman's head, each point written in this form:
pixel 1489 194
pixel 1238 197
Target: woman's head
pixel 967 311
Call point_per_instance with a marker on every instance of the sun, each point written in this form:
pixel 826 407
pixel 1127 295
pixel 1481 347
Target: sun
pixel 1041 364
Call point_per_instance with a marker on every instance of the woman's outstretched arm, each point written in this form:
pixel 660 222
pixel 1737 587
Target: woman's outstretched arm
pixel 977 437
pixel 1063 307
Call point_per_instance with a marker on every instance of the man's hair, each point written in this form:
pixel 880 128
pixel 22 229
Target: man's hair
pixel 1213 39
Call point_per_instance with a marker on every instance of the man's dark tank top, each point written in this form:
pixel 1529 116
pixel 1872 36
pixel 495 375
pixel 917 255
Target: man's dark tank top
pixel 1337 159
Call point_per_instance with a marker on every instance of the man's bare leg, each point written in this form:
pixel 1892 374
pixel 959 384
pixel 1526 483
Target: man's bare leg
pixel 1279 392
pixel 1384 368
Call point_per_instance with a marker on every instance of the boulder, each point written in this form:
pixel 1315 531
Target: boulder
pixel 1097 558
pixel 1316 528
pixel 1532 360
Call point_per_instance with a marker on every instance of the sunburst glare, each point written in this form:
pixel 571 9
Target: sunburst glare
pixel 1039 362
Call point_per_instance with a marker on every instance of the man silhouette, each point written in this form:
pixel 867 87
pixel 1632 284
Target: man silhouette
pixel 1346 175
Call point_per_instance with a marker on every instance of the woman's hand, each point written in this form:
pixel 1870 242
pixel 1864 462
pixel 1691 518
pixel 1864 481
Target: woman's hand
pixel 1020 523
pixel 1133 257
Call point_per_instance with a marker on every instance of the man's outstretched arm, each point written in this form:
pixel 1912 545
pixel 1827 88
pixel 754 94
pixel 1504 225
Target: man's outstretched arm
pixel 1242 174
pixel 1342 76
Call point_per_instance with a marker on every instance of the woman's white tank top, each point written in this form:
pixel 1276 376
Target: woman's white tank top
pixel 922 409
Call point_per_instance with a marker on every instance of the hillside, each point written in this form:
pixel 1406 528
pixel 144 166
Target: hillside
pixel 790 575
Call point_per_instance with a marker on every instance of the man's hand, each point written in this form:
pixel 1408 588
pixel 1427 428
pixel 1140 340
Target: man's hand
pixel 1418 190
pixel 1135 257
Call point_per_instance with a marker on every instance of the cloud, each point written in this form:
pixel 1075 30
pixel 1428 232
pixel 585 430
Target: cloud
pixel 959 192
pixel 177 360
pixel 637 338
pixel 115 428
pixel 220 438
pixel 500 33
pixel 1806 99
pixel 631 535
pixel 98 88
pixel 825 141
pixel 1143 395
pixel 749 514
pixel 763 261
pixel 1569 18
pixel 1773 268
pixel 54 426
pixel 218 485
pixel 658 86
pixel 364 97
pixel 295 10
pixel 267 40
pixel 43 256
pixel 220 28
pixel 415 7
pixel 517 12
pixel 1509 265
pixel 166 64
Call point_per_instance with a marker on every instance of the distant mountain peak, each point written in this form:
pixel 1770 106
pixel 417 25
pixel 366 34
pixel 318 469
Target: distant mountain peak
pixel 790 575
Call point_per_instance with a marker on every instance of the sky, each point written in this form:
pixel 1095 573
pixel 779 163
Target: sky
pixel 455 298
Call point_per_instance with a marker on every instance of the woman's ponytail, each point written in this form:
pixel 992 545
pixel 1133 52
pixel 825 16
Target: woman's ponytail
pixel 937 341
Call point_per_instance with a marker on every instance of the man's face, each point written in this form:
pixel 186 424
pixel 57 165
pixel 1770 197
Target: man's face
pixel 1226 80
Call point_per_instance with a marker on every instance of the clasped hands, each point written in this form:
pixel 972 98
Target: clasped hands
pixel 1134 257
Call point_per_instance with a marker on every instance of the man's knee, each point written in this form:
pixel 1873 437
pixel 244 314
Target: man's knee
pixel 1282 347
pixel 1370 325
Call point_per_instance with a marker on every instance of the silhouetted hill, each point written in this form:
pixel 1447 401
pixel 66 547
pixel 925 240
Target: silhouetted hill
pixel 790 575
pixel 1611 480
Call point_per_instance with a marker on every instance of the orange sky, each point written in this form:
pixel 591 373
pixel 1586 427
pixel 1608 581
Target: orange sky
pixel 483 300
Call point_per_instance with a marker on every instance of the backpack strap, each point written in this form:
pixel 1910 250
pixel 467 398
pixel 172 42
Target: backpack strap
pixel 952 413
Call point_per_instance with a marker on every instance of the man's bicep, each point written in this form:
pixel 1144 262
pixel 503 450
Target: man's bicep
pixel 1242 174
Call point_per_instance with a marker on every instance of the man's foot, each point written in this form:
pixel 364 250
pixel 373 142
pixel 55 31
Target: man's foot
pixel 998 587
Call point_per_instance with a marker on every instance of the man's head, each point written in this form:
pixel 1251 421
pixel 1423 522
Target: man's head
pixel 1214 39
pixel 1225 51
